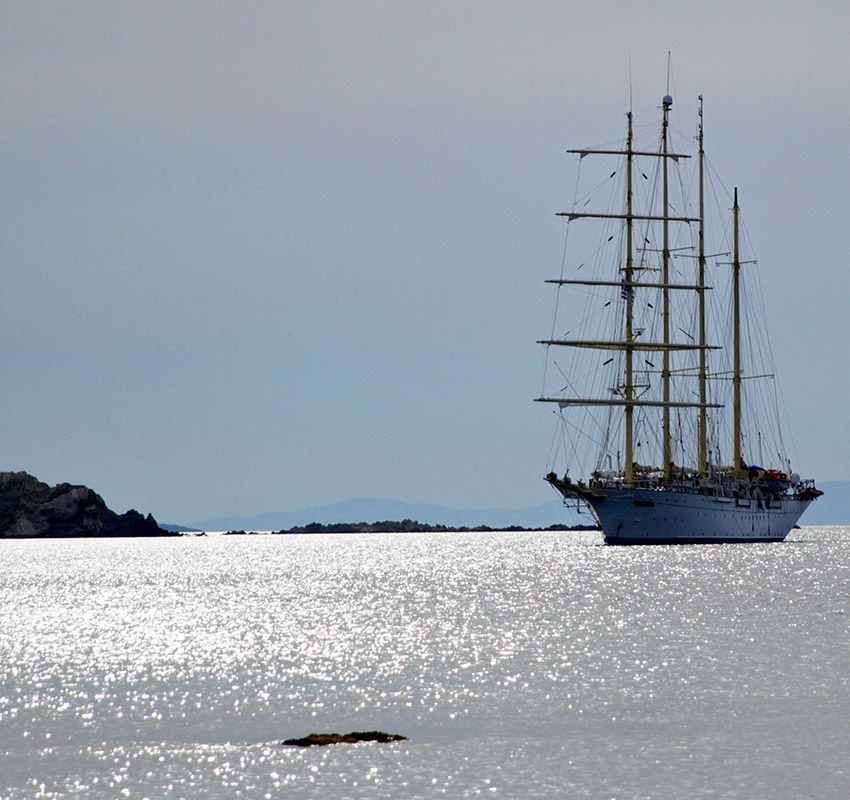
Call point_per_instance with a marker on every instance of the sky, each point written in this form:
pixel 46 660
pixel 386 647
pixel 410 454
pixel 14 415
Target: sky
pixel 264 256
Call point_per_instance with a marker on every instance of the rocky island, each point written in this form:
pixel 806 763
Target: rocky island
pixel 30 509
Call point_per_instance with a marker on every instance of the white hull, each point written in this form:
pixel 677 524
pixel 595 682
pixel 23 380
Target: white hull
pixel 647 516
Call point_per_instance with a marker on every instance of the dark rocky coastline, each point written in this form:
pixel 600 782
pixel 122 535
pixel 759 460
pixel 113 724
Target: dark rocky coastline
pixel 31 509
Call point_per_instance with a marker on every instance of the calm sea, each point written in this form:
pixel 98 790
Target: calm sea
pixel 520 665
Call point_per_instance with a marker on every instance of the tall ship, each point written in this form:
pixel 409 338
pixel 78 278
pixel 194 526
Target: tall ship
pixel 670 423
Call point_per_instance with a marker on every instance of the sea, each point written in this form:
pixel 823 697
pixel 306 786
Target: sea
pixel 518 665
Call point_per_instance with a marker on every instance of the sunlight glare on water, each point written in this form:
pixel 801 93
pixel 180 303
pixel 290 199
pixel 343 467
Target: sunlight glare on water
pixel 518 664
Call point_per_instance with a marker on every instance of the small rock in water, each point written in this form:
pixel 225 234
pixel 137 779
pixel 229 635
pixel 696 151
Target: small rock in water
pixel 319 739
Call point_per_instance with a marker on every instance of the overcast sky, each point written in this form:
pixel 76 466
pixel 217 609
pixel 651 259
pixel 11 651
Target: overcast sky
pixel 263 256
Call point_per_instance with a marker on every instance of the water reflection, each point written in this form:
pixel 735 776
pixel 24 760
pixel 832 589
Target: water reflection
pixel 517 663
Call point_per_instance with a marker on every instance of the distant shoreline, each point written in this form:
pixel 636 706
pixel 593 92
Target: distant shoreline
pixel 407 526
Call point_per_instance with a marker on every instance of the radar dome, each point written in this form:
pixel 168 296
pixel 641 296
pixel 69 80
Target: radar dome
pixel 667 101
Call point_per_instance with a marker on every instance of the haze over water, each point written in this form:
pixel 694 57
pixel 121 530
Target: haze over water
pixel 534 665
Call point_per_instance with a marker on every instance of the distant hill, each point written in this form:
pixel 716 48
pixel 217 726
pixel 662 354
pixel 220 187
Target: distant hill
pixel 366 510
pixel 167 526
pixel 831 509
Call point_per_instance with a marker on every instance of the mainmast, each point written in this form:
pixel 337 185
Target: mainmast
pixel 703 421
pixel 665 279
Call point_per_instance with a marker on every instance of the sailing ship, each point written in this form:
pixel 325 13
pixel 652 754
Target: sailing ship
pixel 664 424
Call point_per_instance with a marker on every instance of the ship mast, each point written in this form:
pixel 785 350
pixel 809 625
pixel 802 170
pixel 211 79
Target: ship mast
pixel 737 458
pixel 703 421
pixel 624 395
pixel 665 279
pixel 629 388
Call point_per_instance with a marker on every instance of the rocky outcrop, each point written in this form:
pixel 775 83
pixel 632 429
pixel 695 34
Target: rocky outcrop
pixel 322 739
pixel 30 508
